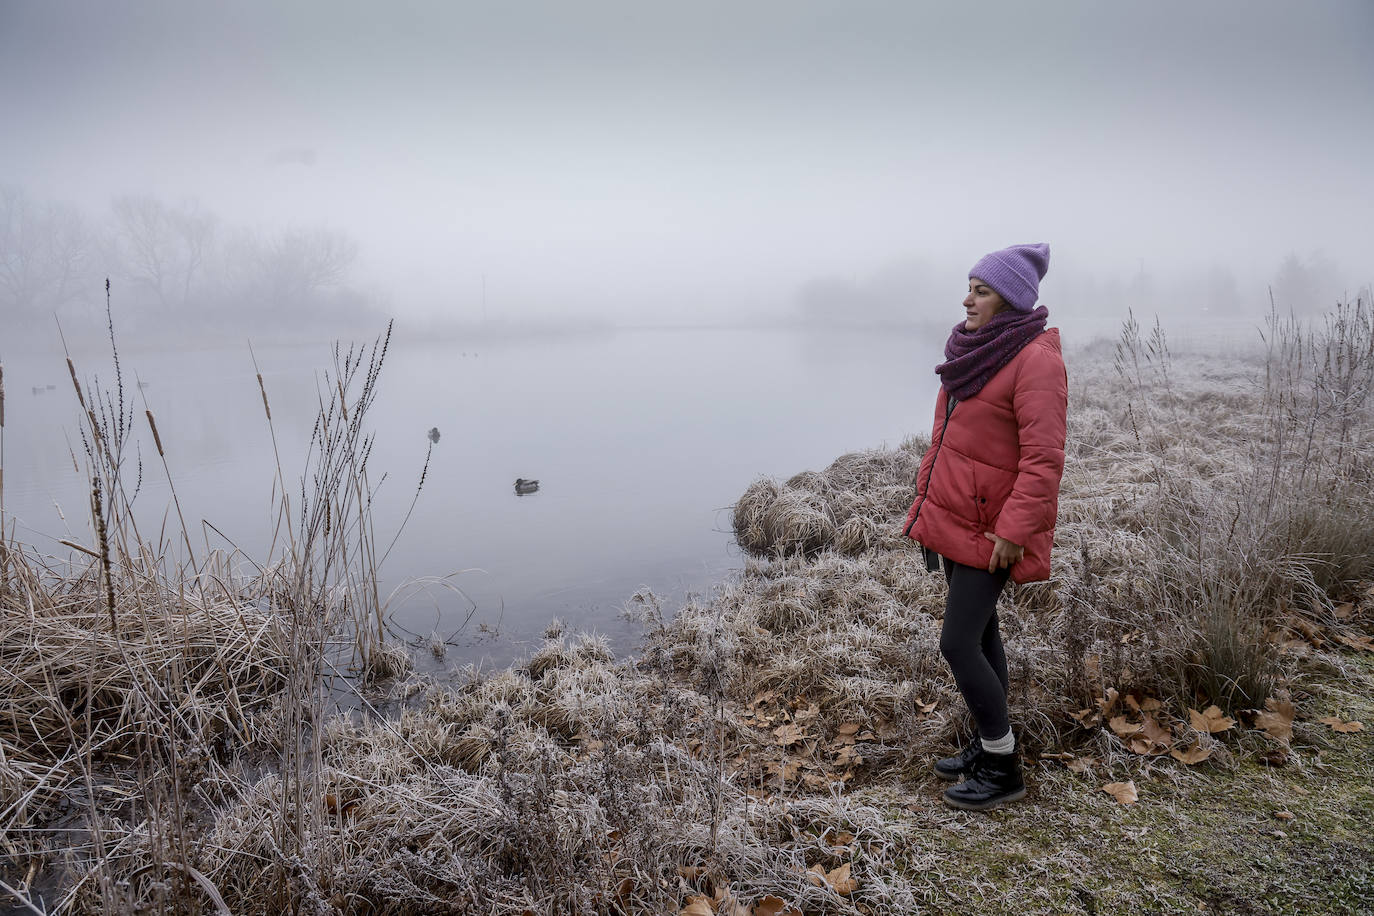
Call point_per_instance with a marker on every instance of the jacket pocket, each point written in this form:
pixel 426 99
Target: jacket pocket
pixel 991 487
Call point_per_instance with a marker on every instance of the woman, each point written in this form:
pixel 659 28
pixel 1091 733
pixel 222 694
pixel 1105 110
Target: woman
pixel 987 495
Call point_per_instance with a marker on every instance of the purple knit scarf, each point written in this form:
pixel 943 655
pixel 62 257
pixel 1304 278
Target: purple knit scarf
pixel 972 358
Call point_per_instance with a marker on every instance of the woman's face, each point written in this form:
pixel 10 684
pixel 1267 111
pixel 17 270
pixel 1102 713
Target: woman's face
pixel 981 303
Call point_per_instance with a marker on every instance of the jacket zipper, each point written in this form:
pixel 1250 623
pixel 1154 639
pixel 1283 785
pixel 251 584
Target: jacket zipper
pixel 949 410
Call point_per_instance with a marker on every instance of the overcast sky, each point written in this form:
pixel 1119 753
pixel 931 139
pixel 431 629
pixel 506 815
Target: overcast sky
pixel 698 158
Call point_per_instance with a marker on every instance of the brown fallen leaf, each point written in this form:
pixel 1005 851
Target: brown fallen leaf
pixel 774 906
pixel 837 879
pixel 1156 733
pixel 786 769
pixel 848 756
pixel 1361 642
pixel 1108 702
pixel 1344 727
pixel 1309 630
pixel 1277 719
pixel 1149 704
pixel 1123 727
pixel 1145 747
pixel 1211 720
pixel 1123 792
pixel 1147 737
pixel 788 734
pixel 697 905
pixel 1192 755
pixel 840 880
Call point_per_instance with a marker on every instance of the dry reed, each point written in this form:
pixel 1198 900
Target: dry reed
pixel 135 681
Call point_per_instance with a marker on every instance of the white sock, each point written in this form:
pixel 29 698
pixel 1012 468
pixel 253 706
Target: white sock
pixel 1003 745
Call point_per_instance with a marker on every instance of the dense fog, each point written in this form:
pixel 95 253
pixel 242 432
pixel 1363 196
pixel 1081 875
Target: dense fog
pixel 542 165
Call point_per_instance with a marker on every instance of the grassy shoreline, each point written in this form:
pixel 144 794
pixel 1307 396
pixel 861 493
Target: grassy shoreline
pixel 769 747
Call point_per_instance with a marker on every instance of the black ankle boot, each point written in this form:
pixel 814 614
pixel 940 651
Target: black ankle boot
pixel 960 765
pixel 996 779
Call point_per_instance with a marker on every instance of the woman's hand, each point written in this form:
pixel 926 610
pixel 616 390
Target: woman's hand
pixel 1004 552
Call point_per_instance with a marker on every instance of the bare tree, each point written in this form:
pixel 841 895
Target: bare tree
pixel 44 253
pixel 143 243
pixel 162 250
pixel 195 231
pixel 302 263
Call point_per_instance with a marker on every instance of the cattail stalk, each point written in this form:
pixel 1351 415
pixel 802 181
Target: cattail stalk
pixel 176 500
pixel 157 440
pixel 276 452
pixel 81 547
pixel 97 510
pixel 71 368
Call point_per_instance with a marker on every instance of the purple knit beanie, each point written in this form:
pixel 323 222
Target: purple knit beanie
pixel 1015 273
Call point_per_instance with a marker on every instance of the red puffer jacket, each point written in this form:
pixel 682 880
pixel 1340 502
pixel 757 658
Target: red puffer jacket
pixel 994 464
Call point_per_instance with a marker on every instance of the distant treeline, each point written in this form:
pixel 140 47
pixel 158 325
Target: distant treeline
pixel 169 265
pixel 902 292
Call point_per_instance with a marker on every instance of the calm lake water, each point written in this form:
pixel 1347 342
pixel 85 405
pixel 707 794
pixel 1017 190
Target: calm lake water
pixel 641 440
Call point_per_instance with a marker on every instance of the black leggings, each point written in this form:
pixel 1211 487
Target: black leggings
pixel 972 645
